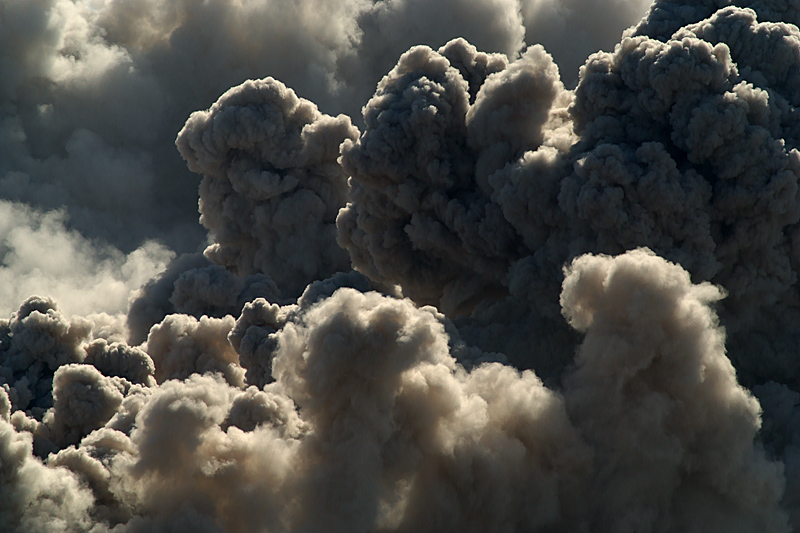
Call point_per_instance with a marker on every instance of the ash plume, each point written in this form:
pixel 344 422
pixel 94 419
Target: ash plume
pixel 93 92
pixel 271 187
pixel 685 145
pixel 371 422
pixel 501 299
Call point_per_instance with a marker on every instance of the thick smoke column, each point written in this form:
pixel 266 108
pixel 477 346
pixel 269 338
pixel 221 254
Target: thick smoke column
pixel 422 216
pixel 269 197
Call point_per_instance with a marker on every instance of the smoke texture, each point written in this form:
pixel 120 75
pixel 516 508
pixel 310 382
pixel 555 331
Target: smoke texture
pixel 508 295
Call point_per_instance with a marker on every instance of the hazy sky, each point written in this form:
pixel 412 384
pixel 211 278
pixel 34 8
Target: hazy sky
pixel 466 265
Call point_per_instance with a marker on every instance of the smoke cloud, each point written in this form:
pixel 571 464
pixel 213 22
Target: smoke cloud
pixel 267 156
pixel 508 295
pixel 93 93
pixel 370 422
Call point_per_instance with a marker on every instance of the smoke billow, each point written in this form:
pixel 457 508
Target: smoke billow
pixel 271 187
pixel 93 93
pixel 369 422
pixel 492 302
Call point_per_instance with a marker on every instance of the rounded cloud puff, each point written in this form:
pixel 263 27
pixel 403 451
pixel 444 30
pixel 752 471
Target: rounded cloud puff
pixel 271 187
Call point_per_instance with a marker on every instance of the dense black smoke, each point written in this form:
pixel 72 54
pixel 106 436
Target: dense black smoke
pixel 491 302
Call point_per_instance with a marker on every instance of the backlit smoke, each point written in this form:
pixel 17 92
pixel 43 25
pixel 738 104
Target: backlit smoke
pixel 489 302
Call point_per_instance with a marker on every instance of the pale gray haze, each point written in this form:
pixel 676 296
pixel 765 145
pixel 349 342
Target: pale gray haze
pixel 295 266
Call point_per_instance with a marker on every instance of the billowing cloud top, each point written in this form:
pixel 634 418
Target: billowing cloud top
pixel 271 186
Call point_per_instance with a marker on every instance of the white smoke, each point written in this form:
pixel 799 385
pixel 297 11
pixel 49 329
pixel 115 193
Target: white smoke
pixel 40 254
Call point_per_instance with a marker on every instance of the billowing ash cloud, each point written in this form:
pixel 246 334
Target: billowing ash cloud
pixel 422 216
pixel 502 304
pixel 93 92
pixel 271 186
pixel 685 145
pixel 269 197
pixel 371 423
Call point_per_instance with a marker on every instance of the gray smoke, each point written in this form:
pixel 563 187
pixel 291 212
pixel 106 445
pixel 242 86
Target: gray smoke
pixel 502 304
pixel 93 92
pixel 271 187
pixel 685 145
pixel 371 423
